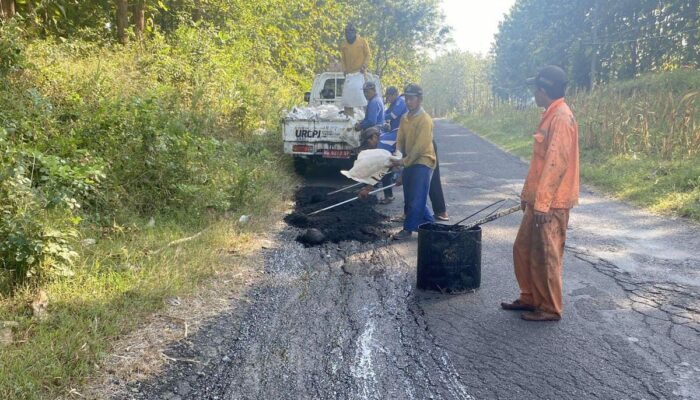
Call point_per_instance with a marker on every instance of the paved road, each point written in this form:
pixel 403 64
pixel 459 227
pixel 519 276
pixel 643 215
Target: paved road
pixel 345 321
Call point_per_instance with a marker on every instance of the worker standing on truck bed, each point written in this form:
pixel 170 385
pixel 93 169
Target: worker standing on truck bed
pixel 415 142
pixel 355 56
pixel 551 189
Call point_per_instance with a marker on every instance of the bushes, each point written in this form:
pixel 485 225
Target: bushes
pixel 37 223
pixel 639 139
pixel 96 135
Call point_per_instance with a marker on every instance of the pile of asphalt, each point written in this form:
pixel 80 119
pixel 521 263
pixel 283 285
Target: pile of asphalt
pixel 353 221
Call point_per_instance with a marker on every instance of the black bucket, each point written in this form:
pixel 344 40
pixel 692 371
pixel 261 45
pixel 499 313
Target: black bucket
pixel 449 258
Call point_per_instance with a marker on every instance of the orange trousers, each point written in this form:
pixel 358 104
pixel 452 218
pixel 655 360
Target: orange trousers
pixel 537 256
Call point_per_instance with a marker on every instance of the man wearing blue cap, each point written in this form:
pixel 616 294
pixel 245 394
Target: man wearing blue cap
pixel 374 113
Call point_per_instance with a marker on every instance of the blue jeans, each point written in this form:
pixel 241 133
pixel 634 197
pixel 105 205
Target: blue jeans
pixel 387 180
pixel 416 184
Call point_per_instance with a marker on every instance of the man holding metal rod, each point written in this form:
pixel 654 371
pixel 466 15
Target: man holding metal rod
pixel 415 142
pixel 551 189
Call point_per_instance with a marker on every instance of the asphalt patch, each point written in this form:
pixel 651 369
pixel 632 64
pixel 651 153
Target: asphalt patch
pixel 352 221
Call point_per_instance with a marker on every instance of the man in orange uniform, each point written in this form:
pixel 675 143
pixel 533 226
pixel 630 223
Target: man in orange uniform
pixel 550 191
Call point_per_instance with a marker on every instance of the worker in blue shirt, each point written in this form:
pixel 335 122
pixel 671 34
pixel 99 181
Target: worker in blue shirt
pixel 374 113
pixel 397 108
pixel 387 139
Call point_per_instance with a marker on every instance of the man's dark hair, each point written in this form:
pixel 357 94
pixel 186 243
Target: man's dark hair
pixel 367 134
pixel 413 90
pixel 392 90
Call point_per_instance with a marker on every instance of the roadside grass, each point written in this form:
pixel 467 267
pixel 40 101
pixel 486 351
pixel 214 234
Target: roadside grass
pixel 109 156
pixel 664 186
pixel 127 275
pixel 643 150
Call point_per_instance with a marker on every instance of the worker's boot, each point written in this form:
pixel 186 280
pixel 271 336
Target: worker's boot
pixel 539 315
pixel 403 235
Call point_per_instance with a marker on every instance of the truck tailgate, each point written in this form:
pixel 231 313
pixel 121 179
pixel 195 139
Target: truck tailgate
pixel 314 131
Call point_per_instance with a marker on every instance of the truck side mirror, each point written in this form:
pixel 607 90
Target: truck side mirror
pixel 307 97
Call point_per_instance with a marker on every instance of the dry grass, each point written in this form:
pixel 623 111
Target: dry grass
pixel 640 139
pixel 141 353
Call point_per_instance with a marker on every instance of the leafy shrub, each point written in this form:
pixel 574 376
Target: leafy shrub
pixel 11 46
pixel 37 224
pixel 96 134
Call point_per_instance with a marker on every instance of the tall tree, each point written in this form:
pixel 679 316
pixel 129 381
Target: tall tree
pixel 400 33
pixel 122 20
pixel 595 40
pixel 7 9
pixel 139 18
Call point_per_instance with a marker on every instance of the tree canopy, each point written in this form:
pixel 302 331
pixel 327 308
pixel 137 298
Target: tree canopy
pixel 595 40
pixel 294 36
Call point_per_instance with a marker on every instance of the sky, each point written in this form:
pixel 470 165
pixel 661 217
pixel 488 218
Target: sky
pixel 475 22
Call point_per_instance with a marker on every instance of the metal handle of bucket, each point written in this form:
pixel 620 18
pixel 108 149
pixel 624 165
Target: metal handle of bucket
pixel 483 209
pixel 492 216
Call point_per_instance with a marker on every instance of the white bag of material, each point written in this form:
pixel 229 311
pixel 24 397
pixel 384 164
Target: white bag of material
pixel 371 166
pixel 350 136
pixel 324 112
pixel 352 90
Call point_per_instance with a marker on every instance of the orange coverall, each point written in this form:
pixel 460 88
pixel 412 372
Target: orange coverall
pixel 552 185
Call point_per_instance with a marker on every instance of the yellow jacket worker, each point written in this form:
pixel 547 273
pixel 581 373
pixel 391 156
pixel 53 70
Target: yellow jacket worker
pixel 354 52
pixel 355 56
pixel 415 141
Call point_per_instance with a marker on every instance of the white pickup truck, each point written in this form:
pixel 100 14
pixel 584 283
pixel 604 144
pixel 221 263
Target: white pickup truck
pixel 320 132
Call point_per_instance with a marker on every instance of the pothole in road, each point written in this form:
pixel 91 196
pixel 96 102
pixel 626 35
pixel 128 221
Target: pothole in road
pixel 353 221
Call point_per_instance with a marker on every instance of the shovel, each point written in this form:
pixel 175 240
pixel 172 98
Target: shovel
pixel 350 200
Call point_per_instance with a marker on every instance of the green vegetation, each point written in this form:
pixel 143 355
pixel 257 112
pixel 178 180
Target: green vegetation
pixel 456 81
pixel 595 41
pixel 128 125
pixel 640 139
pixel 129 148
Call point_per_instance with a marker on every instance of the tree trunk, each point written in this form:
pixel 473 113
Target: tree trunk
pixel 594 46
pixel 197 11
pixel 693 58
pixel 140 18
pixel 122 20
pixel 7 9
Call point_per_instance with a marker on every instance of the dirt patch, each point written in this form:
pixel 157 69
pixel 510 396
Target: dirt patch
pixel 353 221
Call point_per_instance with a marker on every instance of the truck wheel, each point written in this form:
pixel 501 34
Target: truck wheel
pixel 300 165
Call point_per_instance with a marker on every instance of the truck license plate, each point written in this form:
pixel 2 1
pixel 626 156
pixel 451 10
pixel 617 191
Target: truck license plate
pixel 336 154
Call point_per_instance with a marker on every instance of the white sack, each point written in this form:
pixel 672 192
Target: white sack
pixel 325 112
pixel 352 90
pixel 371 166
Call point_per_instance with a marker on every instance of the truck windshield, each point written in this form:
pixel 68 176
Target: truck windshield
pixel 332 88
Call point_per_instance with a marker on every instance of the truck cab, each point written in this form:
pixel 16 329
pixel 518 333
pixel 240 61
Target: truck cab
pixel 327 88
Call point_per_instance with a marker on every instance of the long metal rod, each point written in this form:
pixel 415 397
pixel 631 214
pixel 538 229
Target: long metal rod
pixel 485 208
pixel 345 188
pixel 352 199
pixel 494 216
